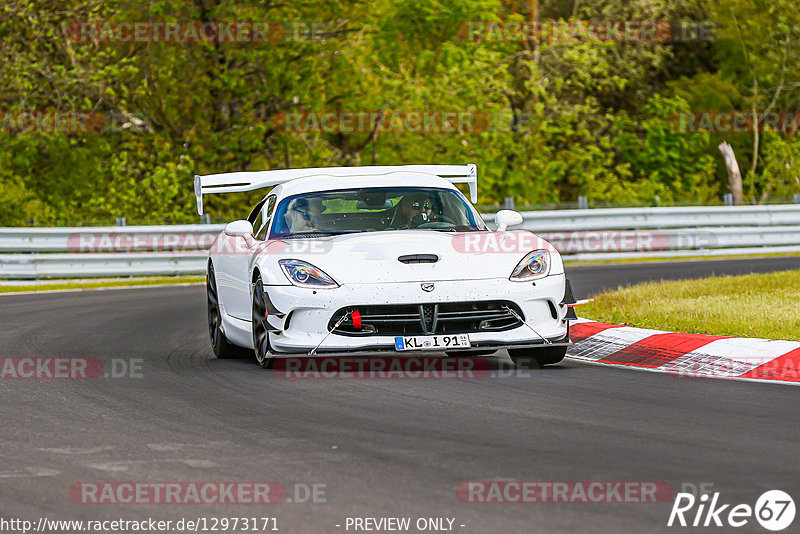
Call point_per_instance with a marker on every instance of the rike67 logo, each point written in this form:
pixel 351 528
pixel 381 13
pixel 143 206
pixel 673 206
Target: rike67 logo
pixel 774 510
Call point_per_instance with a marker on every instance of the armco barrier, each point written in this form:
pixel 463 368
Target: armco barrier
pixel 109 238
pixel 38 266
pixel 590 234
pixel 649 218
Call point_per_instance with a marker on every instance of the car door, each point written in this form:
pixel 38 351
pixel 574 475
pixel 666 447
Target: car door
pixel 261 233
pixel 234 288
pixel 266 218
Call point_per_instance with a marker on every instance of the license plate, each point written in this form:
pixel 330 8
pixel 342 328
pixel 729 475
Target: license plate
pixel 455 341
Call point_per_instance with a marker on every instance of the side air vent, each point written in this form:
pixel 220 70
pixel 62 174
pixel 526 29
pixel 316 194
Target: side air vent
pixel 418 258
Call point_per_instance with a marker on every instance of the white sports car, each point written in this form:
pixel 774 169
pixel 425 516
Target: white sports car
pixel 370 260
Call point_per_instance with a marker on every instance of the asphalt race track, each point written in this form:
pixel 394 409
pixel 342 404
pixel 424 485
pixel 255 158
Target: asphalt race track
pixel 396 448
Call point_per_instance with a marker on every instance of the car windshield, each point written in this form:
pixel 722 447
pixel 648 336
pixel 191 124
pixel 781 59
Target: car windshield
pixel 374 209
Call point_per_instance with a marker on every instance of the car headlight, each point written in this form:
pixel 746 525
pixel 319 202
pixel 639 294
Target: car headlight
pixel 532 267
pixel 303 274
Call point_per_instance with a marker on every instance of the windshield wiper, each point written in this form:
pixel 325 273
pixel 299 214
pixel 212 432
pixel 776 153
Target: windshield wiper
pixel 451 229
pixel 320 233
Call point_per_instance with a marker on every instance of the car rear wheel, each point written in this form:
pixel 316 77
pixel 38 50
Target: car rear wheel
pixel 264 355
pixel 222 348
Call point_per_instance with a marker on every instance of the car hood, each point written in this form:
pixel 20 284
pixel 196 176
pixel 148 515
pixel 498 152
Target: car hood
pixel 373 257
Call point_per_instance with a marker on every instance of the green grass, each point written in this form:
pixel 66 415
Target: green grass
pixel 681 258
pixel 117 282
pixel 754 305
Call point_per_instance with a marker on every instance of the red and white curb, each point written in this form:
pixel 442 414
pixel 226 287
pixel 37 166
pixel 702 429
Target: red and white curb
pixel 686 355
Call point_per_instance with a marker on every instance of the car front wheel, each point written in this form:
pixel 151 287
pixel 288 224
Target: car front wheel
pixel 533 357
pixel 538 357
pixel 264 355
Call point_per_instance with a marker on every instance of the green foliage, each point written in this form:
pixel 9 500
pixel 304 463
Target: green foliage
pixel 19 206
pixel 669 163
pixel 781 173
pixel 565 118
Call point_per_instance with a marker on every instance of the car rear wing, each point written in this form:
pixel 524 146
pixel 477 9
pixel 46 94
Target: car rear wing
pixel 239 182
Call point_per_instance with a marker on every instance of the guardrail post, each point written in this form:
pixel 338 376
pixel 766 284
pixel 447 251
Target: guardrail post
pixel 727 199
pixel 120 221
pixel 205 218
pixel 583 202
pixel 797 198
pixel 508 203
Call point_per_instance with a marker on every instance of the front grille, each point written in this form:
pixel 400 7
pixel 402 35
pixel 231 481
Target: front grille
pixel 428 312
pixel 426 319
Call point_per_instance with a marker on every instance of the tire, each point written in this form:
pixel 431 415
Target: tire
pixel 469 353
pixel 534 357
pixel 223 349
pixel 264 355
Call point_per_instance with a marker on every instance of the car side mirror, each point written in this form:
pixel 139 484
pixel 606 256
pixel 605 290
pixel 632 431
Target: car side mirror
pixel 506 218
pixel 239 229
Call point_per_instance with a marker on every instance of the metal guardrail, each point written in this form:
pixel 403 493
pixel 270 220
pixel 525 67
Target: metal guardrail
pixel 665 255
pixel 650 218
pixel 598 234
pixel 109 238
pixel 686 239
pixel 39 266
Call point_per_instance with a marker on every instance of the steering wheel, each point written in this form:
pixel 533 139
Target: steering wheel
pixel 445 219
pixel 437 224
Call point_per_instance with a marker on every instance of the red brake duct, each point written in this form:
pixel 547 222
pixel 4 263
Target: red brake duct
pixel 356 316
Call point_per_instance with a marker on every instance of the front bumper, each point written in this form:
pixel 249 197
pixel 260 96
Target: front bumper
pixel 310 312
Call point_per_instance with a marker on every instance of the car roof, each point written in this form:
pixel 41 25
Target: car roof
pixel 323 182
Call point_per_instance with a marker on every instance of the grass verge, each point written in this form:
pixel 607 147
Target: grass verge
pixel 92 284
pixel 753 305
pixel 681 258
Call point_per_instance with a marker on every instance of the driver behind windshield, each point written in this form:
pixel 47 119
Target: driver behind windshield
pixel 412 211
pixel 302 214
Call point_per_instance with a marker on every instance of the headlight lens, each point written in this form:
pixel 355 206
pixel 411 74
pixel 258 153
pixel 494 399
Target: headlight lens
pixel 533 266
pixel 303 274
